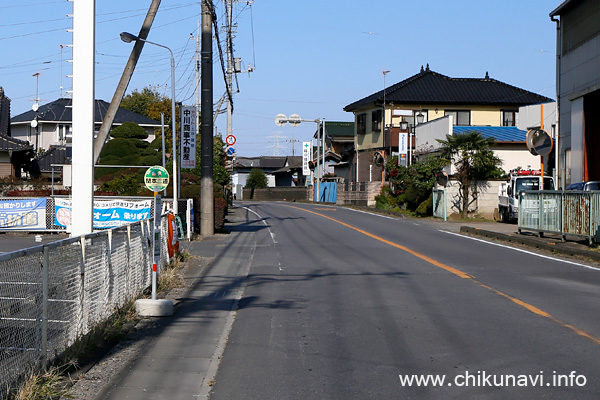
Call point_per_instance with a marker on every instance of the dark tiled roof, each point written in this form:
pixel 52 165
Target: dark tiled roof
pixel 10 143
pixel 564 7
pixel 337 129
pixel 429 87
pixel 61 111
pixel 499 133
pixel 54 155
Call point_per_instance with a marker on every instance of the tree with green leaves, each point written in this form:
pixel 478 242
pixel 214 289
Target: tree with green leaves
pixel 256 179
pixel 474 163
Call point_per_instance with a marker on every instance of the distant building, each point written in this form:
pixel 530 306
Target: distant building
pixel 4 113
pixel 468 103
pixel 55 122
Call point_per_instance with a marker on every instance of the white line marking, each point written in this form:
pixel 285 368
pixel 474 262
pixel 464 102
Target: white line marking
pixel 374 214
pixel 522 251
pixel 264 222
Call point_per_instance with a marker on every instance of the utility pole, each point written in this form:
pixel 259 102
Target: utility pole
pixel 293 142
pixel 207 220
pixel 230 67
pixel 198 77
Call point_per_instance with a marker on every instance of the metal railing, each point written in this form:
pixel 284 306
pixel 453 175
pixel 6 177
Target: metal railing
pixel 574 213
pixel 53 294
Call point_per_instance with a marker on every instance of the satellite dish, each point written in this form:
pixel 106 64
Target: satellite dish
pixel 34 123
pixel 539 142
pixel 280 119
pixel 295 120
pixel 35 106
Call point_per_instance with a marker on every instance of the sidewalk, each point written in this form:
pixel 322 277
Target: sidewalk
pixel 572 247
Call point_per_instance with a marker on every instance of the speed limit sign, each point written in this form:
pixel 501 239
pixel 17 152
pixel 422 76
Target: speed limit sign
pixel 230 140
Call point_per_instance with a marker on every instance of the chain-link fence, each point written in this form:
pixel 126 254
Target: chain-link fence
pixel 51 295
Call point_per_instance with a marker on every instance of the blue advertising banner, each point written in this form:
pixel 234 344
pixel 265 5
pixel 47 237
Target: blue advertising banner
pixel 26 214
pixel 107 213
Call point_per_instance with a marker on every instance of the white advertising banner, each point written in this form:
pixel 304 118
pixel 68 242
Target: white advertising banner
pixel 402 142
pixel 188 137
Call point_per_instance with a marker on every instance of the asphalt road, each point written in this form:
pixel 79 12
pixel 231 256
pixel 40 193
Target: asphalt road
pixel 341 304
pixel 18 241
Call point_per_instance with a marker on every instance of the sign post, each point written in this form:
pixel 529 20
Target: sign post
pixel 156 179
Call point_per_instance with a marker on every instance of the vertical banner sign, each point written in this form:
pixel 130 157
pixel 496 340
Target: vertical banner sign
pixel 188 137
pixel 402 141
pixel 306 157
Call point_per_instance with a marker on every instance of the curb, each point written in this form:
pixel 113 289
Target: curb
pixel 554 247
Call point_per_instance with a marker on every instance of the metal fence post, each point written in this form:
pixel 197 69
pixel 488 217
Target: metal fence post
pixel 81 286
pixel 45 278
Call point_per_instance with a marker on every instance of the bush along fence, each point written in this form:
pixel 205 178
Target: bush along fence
pixel 52 295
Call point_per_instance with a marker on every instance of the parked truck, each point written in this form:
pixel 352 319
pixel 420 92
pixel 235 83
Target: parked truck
pixel 508 192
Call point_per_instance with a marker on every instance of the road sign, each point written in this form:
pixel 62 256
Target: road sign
pixel 306 157
pixel 230 140
pixel 156 178
pixel 280 119
pixel 230 151
pixel 295 120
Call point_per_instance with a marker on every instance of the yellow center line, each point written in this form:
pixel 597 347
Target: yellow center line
pixel 463 275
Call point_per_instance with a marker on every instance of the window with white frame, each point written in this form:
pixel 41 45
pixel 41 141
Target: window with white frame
pixel 461 117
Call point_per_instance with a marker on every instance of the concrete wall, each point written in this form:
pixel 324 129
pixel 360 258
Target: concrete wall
pixel 279 193
pixel 358 194
pixel 485 205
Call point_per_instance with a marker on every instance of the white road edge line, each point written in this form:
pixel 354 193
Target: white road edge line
pixel 263 221
pixel 521 250
pixel 370 213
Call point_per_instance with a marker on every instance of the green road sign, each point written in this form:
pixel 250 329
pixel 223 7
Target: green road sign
pixel 156 178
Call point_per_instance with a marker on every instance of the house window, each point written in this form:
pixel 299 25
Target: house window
pixel 376 121
pixel 361 124
pixel 461 118
pixel 61 134
pixel 509 117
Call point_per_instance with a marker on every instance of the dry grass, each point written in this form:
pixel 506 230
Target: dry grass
pixel 51 384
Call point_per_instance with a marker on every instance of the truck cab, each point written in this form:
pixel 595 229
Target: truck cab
pixel 508 192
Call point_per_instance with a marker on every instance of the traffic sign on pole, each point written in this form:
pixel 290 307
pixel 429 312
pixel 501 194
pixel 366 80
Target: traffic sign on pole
pixel 156 178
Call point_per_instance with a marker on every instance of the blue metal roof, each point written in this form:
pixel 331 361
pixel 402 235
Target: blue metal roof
pixel 500 133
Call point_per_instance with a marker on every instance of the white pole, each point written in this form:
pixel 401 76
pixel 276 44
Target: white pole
pixel 84 14
pixel 173 124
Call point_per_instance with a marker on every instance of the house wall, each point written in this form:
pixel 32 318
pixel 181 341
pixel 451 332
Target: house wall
pixel 517 155
pixel 483 117
pixel 426 134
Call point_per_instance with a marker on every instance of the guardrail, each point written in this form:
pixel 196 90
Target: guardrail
pixel 575 213
pixel 53 294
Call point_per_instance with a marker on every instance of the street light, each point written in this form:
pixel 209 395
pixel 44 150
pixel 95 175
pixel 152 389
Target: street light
pixel 128 38
pixel 383 116
pixel 404 126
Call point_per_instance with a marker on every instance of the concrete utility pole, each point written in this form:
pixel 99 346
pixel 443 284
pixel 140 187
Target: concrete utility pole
pixel 230 67
pixel 84 34
pixel 207 220
pixel 124 82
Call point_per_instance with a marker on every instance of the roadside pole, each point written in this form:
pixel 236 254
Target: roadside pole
pixel 156 179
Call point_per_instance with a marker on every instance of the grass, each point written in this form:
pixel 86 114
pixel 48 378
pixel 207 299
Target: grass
pixel 51 384
pixel 54 382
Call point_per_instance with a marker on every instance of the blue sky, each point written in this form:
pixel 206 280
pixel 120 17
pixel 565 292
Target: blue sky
pixel 312 58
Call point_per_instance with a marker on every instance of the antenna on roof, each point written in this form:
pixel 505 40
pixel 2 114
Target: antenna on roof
pixel 487 76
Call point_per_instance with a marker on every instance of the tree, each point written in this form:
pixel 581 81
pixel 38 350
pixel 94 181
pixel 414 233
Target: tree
pixel 474 161
pixel 129 130
pixel 256 179
pixel 412 184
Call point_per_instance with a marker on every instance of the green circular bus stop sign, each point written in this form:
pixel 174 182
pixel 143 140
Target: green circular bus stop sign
pixel 156 178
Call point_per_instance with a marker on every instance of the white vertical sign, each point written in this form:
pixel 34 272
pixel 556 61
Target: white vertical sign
pixel 306 157
pixel 402 142
pixel 84 34
pixel 188 137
